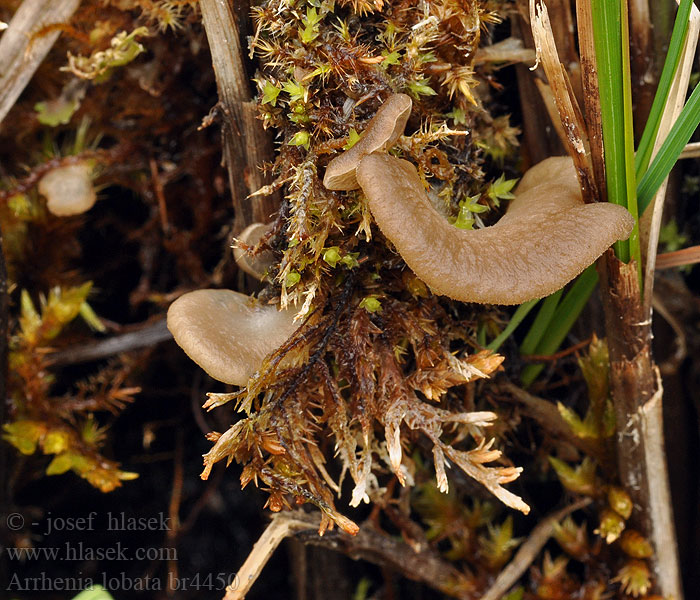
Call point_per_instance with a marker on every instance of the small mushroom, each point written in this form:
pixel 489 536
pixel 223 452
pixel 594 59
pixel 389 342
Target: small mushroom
pixel 226 333
pixel 546 238
pixel 68 190
pixel 381 133
pixel 259 264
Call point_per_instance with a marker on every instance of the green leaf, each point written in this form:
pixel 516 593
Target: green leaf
pixel 501 189
pixel 371 304
pixel 96 593
pixel 612 54
pixel 301 138
pixel 420 87
pixel 269 93
pixel 540 325
pixel 517 318
pixel 353 138
pixel 670 150
pixel 564 317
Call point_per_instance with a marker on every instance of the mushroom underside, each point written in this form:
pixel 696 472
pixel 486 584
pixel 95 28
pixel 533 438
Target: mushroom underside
pixel 226 333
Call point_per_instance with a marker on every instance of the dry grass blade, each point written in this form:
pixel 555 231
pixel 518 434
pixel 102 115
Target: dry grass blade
pixel 576 141
pixel 691 150
pixel 591 96
pixel 246 145
pixel 21 52
pixel 679 258
pixel 651 219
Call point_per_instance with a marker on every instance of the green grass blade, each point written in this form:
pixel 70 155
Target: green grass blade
pixel 541 323
pixel 607 34
pixel 635 249
pixel 515 320
pixel 564 318
pixel 673 56
pixel 670 150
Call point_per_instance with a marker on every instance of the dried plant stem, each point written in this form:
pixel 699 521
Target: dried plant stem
pixel 527 553
pixel 20 52
pixel 572 122
pixel 691 150
pixel 146 335
pixel 246 145
pixel 591 95
pixel 679 258
pixel 636 390
pixel 424 566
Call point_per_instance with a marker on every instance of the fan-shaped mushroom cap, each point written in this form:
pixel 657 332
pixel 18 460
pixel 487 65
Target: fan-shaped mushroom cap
pixel 68 190
pixel 547 237
pixel 226 333
pixel 381 133
pixel 256 265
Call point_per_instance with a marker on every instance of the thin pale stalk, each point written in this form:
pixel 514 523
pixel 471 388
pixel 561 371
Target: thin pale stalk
pixel 679 258
pixel 691 150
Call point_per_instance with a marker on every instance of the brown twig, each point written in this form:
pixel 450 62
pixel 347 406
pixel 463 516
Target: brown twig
pixel 160 195
pixel 558 355
pixel 146 335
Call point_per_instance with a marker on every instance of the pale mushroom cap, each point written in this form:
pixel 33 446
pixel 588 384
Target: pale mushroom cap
pixel 226 333
pixel 381 133
pixel 259 264
pixel 547 238
pixel 68 190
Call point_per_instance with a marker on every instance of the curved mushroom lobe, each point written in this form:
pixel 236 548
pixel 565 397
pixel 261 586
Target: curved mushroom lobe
pixel 381 133
pixel 226 333
pixel 546 238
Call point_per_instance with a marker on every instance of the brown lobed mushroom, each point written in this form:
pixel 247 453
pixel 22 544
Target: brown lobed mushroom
pixel 256 265
pixel 381 133
pixel 226 333
pixel 68 190
pixel 546 238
